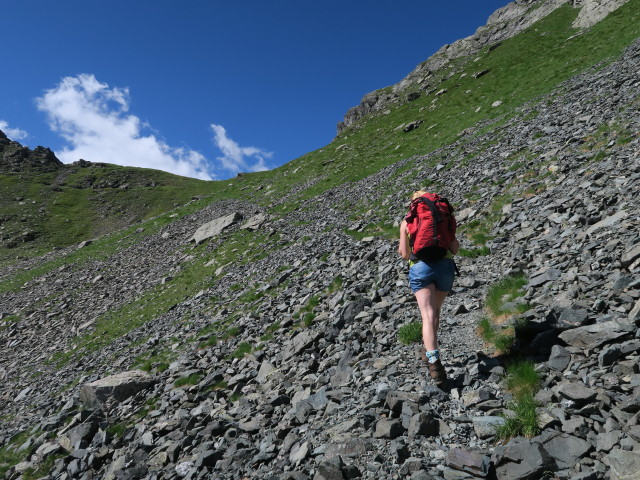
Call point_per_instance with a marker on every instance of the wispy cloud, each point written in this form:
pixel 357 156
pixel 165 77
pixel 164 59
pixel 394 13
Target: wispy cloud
pixel 13 133
pixel 236 158
pixel 93 119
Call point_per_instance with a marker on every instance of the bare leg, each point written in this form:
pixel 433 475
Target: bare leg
pixel 430 302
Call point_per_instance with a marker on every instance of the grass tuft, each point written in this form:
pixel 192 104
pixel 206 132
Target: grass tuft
pixel 524 422
pixel 192 379
pixel 522 378
pixel 501 295
pixel 243 349
pixel 502 340
pixel 523 381
pixel 409 333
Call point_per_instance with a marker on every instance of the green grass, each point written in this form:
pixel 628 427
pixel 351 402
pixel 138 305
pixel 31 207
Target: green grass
pixel 409 333
pixel 500 295
pixel 306 314
pixel 72 211
pixel 43 469
pixel 157 361
pixel 210 342
pixel 192 379
pixel 522 378
pixel 269 331
pixel 523 381
pixel 307 319
pixel 9 454
pixel 242 349
pixel 117 429
pixel 335 285
pixel 523 423
pixel 501 340
pixel 387 231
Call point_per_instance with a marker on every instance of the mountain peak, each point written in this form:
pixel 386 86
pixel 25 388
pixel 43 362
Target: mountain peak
pixel 14 157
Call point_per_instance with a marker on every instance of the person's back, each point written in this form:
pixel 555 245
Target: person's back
pixel 430 276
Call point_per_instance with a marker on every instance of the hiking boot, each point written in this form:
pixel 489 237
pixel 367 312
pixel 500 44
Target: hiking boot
pixel 436 372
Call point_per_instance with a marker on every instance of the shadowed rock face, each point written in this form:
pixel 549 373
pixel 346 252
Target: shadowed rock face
pixel 16 158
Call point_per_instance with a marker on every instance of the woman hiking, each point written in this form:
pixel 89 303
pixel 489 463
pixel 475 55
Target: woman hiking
pixel 428 241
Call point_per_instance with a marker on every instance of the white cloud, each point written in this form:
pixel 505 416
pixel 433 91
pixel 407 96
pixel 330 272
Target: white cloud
pixel 236 158
pixel 13 133
pixel 93 119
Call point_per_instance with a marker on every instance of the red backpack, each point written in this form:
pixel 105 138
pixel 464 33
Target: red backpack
pixel 431 226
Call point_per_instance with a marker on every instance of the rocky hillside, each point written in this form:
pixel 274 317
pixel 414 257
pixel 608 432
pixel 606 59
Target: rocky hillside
pixel 243 338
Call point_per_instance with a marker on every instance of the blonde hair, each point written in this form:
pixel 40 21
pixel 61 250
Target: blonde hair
pixel 417 194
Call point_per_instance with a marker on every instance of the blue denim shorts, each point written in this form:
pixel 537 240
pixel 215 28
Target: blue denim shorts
pixel 441 272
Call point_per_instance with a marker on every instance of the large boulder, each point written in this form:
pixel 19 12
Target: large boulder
pixel 109 391
pixel 522 459
pixel 214 228
pixel 593 336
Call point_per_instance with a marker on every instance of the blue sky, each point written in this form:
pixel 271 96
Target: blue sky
pixel 207 88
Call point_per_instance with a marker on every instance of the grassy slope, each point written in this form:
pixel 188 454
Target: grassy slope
pixel 62 208
pixel 522 68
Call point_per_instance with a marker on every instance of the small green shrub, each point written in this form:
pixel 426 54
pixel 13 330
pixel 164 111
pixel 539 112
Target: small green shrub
pixel 231 332
pixel 503 342
pixel 273 327
pixel 117 429
pixel 210 342
pixel 486 329
pixel 409 333
pixel 335 285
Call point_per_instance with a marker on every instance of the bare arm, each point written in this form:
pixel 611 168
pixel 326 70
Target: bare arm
pixel 403 248
pixel 454 246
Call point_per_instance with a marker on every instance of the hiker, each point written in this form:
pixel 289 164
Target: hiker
pixel 430 279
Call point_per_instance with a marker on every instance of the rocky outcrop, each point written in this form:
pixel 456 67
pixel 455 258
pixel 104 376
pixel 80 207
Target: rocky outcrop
pixel 504 23
pixel 592 11
pixel 16 158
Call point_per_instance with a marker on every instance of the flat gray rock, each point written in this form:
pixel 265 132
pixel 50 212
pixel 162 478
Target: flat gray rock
pixel 623 465
pixel 593 336
pixel 107 392
pixel 214 228
pixel 485 426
